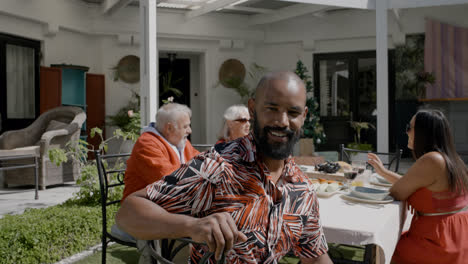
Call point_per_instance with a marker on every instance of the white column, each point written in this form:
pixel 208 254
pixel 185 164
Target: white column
pixel 149 91
pixel 382 74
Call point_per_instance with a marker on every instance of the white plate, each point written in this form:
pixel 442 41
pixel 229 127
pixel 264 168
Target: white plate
pixel 375 181
pixel 353 198
pixel 327 194
pixel 380 178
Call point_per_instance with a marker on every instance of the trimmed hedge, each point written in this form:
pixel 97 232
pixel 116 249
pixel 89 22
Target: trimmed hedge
pixel 51 234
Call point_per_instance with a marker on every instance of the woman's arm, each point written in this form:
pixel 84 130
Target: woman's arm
pixel 378 166
pixel 426 171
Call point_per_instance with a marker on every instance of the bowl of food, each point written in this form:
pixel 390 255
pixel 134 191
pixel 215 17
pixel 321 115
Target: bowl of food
pixel 369 193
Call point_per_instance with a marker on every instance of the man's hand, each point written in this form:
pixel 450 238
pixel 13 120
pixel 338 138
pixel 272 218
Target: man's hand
pixel 218 231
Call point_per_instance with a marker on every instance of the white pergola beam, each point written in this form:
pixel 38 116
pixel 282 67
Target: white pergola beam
pixel 397 14
pixel 381 27
pixel 285 13
pixel 220 4
pixel 423 3
pixel 250 9
pixel 182 2
pixel 360 4
pixel 149 91
pixel 110 7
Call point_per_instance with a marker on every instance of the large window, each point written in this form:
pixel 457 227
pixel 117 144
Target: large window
pixel 19 82
pixel 345 85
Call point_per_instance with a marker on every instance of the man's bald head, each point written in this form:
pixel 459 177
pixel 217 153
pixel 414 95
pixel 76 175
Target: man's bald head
pixel 294 83
pixel 278 111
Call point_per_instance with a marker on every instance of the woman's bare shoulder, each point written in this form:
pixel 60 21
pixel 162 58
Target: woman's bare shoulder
pixel 433 157
pixel 432 162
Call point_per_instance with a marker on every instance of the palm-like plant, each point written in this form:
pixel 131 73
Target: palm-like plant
pixel 168 83
pixel 358 126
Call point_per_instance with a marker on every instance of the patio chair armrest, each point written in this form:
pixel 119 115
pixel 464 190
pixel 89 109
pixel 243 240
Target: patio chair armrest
pixel 48 136
pixel 13 139
pixel 185 241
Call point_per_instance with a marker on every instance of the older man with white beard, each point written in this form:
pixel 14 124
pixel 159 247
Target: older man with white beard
pixel 161 148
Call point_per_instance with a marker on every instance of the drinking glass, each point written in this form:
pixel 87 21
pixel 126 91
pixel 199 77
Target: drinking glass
pixel 349 176
pixel 359 166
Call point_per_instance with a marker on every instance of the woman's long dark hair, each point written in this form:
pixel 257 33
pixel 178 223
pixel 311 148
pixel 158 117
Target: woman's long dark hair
pixel 432 133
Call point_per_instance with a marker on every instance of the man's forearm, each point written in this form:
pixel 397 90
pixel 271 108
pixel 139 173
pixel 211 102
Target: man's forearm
pixel 146 220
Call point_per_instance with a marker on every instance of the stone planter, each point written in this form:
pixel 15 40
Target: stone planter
pixel 306 147
pixel 127 146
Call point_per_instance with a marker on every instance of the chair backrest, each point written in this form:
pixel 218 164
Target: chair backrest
pixel 202 147
pixel 111 171
pixel 390 159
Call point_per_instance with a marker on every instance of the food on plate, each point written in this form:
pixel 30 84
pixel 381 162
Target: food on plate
pixel 357 183
pixel 325 186
pixel 344 166
pixel 315 184
pixel 328 167
pixel 332 187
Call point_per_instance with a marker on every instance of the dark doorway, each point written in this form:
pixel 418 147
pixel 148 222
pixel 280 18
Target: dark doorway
pixel 345 87
pixel 174 79
pixel 19 82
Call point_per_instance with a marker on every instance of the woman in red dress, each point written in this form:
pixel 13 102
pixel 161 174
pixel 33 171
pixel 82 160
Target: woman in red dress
pixel 436 187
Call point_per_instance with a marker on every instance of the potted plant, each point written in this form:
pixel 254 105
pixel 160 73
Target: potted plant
pixel 312 131
pixel 357 127
pixel 127 119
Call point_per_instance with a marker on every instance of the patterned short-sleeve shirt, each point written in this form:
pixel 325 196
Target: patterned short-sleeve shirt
pixel 276 218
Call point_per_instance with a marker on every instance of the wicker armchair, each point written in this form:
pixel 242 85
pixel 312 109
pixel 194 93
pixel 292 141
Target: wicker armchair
pixel 53 128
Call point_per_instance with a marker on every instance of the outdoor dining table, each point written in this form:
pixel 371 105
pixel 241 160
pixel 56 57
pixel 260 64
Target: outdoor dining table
pixel 355 223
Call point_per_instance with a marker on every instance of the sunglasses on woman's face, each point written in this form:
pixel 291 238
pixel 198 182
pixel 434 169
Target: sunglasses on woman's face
pixel 408 127
pixel 242 120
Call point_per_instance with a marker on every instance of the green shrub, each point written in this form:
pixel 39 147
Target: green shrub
pixel 50 234
pixel 89 193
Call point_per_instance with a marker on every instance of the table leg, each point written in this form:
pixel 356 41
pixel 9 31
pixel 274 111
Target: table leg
pixel 36 177
pixel 377 255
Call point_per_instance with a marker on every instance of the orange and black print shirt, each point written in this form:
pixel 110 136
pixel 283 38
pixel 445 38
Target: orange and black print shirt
pixel 276 218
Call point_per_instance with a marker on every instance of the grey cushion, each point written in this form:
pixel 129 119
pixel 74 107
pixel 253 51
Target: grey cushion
pixel 55 125
pixel 122 235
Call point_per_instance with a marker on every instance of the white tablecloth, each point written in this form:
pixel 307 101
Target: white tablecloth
pixel 351 223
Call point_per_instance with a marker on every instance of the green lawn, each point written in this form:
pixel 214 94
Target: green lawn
pixel 119 254
pixel 116 254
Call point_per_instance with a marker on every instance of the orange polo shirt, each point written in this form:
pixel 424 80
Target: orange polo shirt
pixel 152 158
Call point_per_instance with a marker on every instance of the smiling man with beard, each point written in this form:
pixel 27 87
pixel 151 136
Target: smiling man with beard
pixel 246 198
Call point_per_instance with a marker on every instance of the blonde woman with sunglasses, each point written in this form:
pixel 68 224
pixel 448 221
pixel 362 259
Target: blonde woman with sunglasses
pixel 236 123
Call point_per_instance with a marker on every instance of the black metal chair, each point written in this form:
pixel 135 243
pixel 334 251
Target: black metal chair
pixel 110 179
pixel 111 171
pixel 390 159
pixel 337 253
pixel 202 147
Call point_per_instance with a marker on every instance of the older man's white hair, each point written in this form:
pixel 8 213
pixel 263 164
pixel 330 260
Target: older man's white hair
pixel 170 113
pixel 232 113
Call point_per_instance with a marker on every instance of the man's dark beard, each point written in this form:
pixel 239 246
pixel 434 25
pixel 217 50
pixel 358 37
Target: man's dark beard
pixel 277 151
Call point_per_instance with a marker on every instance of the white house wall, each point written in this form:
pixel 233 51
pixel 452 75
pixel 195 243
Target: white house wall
pixel 78 34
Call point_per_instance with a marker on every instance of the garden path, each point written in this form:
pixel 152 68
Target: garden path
pixel 14 200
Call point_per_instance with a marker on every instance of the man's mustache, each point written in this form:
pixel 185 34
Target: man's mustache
pixel 289 133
